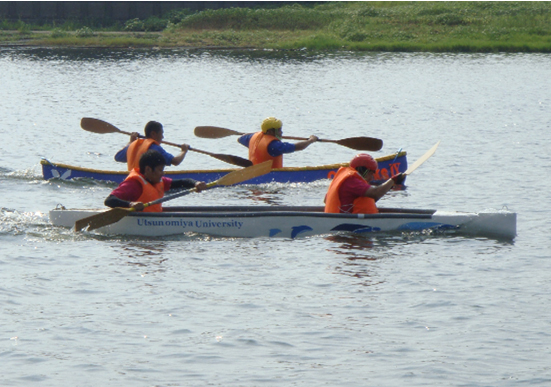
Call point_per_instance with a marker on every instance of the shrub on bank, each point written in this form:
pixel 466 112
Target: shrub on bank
pixel 293 17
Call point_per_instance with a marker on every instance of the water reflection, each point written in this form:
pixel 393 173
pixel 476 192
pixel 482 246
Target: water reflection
pixel 145 254
pixel 265 195
pixel 351 245
pixel 359 256
pixel 80 54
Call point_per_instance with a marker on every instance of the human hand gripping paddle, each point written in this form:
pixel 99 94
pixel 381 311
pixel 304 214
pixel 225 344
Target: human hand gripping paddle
pixel 98 126
pixel 114 215
pixel 358 143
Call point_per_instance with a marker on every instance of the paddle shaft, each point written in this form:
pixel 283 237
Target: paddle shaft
pixel 229 179
pixel 217 132
pixel 178 146
pixel 99 126
pixel 358 143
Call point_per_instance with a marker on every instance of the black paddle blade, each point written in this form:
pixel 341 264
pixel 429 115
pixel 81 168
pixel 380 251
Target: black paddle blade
pixel 362 143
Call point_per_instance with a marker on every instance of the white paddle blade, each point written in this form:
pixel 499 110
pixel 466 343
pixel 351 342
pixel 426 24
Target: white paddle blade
pixel 424 158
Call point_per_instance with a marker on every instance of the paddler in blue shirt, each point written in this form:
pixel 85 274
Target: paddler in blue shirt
pixel 154 135
pixel 267 145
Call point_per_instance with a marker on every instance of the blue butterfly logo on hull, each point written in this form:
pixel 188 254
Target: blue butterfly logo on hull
pixel 299 229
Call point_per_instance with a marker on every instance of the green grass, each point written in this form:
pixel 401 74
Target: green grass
pixel 360 26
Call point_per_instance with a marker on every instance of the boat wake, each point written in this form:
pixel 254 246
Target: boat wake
pixel 27 175
pixel 13 222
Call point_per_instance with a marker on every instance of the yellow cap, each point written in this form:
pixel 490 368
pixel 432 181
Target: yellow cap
pixel 271 123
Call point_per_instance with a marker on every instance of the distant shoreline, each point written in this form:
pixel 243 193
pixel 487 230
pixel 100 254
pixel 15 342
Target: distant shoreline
pixel 467 27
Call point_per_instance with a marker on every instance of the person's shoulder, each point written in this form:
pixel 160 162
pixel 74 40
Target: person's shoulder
pixel 167 183
pixel 157 147
pixel 131 181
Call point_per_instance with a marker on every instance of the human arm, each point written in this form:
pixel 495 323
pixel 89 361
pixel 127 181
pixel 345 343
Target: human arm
pixel 113 201
pixel 177 160
pixel 304 144
pixel 121 155
pixel 377 192
pixel 277 148
pixel 169 158
pixel 183 184
pixel 245 139
pixel 126 196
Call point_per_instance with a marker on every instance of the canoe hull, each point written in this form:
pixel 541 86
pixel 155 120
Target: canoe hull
pixel 293 222
pixel 388 166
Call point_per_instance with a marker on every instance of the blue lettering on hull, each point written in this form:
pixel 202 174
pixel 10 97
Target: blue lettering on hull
pixel 144 222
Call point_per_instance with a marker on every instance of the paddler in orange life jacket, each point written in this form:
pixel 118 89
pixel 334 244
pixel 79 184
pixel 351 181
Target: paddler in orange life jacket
pixel 154 135
pixel 267 145
pixel 147 183
pixel 350 191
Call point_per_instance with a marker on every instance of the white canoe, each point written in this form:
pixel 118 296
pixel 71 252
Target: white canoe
pixel 292 222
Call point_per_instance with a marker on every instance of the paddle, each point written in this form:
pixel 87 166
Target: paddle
pixel 358 143
pixel 424 158
pixel 114 215
pixel 98 126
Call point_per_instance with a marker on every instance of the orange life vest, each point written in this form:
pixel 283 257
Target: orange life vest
pixel 150 192
pixel 136 149
pixel 258 150
pixel 361 205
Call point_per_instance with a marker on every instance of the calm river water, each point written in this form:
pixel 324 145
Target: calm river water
pixel 394 310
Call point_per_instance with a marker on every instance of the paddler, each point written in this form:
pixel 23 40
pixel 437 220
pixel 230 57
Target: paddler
pixel 154 135
pixel 267 145
pixel 147 183
pixel 350 191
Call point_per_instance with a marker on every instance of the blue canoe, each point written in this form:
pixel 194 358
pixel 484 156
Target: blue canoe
pixel 388 166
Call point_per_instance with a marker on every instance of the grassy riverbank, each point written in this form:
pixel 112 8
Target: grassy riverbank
pixel 361 26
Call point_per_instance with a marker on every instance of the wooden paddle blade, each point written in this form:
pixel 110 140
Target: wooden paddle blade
pixel 361 143
pixel 245 174
pixel 102 219
pixel 424 158
pixel 214 132
pixel 97 126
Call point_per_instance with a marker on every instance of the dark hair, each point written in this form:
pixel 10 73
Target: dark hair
pixel 152 126
pixel 152 159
